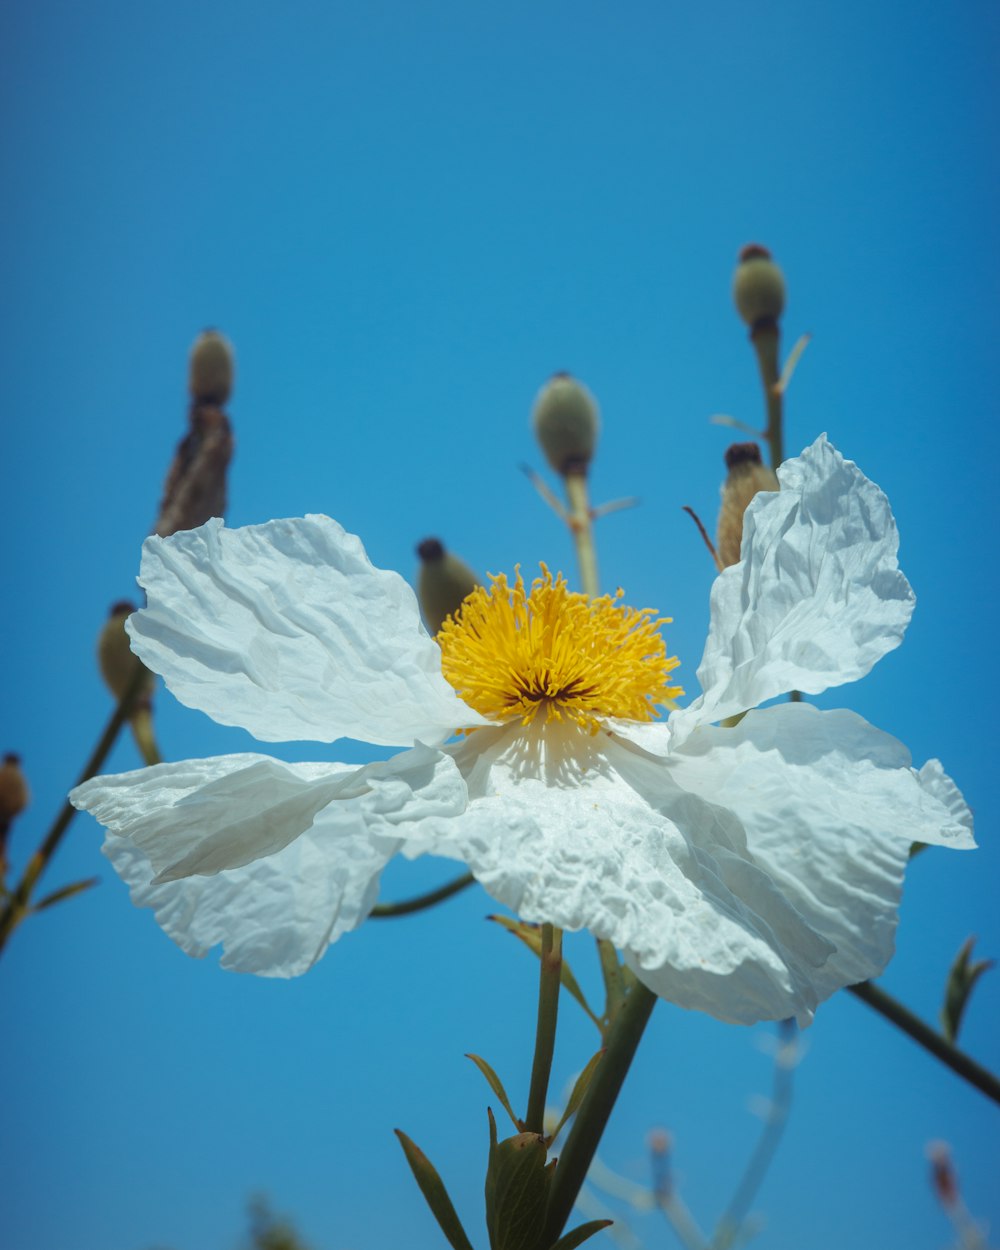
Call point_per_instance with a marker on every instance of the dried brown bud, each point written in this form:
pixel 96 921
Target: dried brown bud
pixel 566 423
pixel 442 583
pixel 758 287
pixel 14 794
pixel 747 475
pixel 195 487
pixel 210 377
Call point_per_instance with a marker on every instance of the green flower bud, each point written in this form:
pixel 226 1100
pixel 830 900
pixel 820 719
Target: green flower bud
pixel 566 423
pixel 758 287
pixel 443 582
pixel 518 1180
pixel 747 475
pixel 211 368
pixel 117 660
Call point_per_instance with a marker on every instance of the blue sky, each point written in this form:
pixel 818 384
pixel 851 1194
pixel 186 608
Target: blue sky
pixel 406 216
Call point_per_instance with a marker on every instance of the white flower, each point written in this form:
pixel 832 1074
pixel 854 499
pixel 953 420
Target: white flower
pixel 748 872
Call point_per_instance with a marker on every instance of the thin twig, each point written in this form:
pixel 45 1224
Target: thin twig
pixel 386 911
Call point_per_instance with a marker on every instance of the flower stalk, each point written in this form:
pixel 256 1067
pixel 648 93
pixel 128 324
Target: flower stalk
pixel 549 982
pixel 938 1045
pixel 621 1042
pixel 17 904
pixel 406 906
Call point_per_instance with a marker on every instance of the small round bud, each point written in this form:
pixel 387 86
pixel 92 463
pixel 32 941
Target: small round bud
pixel 758 287
pixel 210 379
pixel 117 661
pixel 14 792
pixel 747 475
pixel 443 582
pixel 566 422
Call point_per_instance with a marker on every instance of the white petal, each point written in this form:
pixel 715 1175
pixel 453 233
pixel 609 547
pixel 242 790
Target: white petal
pixel 830 806
pixel 957 830
pixel 817 597
pixel 288 630
pixel 276 915
pixel 587 832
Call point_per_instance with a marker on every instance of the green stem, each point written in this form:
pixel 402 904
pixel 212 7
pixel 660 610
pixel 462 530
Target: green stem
pixel 386 911
pixel 549 980
pixel 16 906
pixel 765 337
pixel 622 1039
pixel 581 524
pixel 925 1036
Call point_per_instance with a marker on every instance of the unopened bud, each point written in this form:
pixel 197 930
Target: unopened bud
pixel 14 798
pixel 210 379
pixel 943 1177
pixel 518 1181
pixel 443 582
pixel 117 660
pixel 566 423
pixel 747 475
pixel 758 287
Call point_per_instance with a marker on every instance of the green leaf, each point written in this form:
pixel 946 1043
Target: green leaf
pixel 531 936
pixel 496 1085
pixel 66 891
pixel 579 1235
pixel 432 1187
pixel 579 1089
pixel 958 989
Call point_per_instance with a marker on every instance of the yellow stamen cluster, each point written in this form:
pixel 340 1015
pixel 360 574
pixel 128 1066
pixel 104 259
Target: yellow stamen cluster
pixel 514 654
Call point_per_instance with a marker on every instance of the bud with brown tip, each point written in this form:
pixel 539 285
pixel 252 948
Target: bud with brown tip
pixel 566 423
pixel 758 287
pixel 443 582
pixel 14 798
pixel 747 475
pixel 210 377
pixel 120 668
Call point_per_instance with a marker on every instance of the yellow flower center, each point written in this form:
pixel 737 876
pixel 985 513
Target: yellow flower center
pixel 511 654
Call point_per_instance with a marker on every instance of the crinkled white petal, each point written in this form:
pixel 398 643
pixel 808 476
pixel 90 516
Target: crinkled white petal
pixel 588 832
pixel 817 597
pixel 288 630
pixel 956 832
pixel 830 806
pixel 278 893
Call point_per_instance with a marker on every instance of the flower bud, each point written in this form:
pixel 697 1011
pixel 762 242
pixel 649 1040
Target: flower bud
pixel 117 660
pixel 747 475
pixel 758 287
pixel 566 424
pixel 443 582
pixel 210 379
pixel 518 1180
pixel 14 798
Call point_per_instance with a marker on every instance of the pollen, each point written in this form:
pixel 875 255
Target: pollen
pixel 550 652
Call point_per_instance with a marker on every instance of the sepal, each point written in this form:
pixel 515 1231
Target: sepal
pixel 432 1187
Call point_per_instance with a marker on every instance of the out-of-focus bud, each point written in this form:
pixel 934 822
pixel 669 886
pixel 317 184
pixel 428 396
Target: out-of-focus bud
pixel 117 659
pixel 195 486
pixel 14 798
pixel 566 423
pixel 210 377
pixel 943 1177
pixel 443 582
pixel 119 665
pixel 747 475
pixel 758 287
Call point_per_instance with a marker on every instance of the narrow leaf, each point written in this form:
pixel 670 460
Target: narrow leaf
pixel 66 891
pixel 580 1235
pixel 496 1085
pixel 432 1187
pixel 579 1089
pixel 531 936
pixel 723 418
